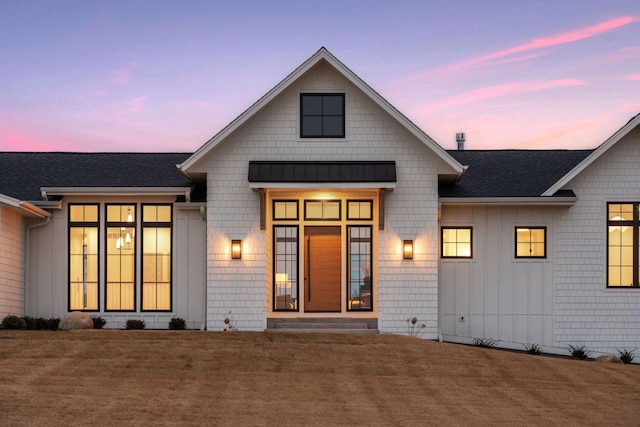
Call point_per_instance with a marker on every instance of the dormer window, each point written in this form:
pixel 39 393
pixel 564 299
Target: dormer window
pixel 322 115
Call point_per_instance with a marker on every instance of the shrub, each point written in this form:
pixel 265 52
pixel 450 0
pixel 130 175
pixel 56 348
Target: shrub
pixel 98 322
pixel 533 348
pixel 177 324
pixel 135 324
pixel 53 323
pixel 13 322
pixel 626 356
pixel 485 342
pixel 30 322
pixel 578 352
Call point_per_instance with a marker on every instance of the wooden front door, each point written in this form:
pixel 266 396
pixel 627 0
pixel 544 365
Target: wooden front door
pixel 322 268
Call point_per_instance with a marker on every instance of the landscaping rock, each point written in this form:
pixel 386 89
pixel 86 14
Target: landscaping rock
pixel 608 358
pixel 76 320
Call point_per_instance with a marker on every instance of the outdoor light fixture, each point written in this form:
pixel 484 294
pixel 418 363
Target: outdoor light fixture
pixel 236 249
pixel 407 249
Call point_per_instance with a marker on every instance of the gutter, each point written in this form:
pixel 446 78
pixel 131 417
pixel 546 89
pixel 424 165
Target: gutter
pixel 509 201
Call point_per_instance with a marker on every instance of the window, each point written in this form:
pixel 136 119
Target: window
pixel 121 258
pixel 328 210
pixel 285 209
pixel 359 270
pixel 359 209
pixel 456 242
pixel 285 271
pixel 622 245
pixel 322 115
pixel 531 242
pixel 83 257
pixel 156 257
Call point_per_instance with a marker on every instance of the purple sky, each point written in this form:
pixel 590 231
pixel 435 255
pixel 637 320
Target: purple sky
pixel 168 75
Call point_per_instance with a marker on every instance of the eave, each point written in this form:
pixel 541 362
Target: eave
pixel 508 201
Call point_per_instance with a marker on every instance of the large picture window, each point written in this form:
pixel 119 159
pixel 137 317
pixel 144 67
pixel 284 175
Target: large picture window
pixel 156 259
pixel 322 115
pixel 83 257
pixel 285 271
pixel 622 245
pixel 121 258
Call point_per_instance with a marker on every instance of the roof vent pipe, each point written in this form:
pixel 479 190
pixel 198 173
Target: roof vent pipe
pixel 460 140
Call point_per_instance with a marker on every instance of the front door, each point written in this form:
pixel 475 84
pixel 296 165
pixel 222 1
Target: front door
pixel 322 268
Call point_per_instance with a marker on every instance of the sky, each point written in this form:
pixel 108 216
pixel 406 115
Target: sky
pixel 159 75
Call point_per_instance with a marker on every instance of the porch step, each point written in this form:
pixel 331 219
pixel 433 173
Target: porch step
pixel 325 325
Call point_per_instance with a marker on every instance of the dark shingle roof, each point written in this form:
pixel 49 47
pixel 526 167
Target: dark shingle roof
pixel 310 172
pixel 23 174
pixel 510 173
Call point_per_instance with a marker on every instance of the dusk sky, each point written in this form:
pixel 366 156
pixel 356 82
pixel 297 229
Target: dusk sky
pixel 168 75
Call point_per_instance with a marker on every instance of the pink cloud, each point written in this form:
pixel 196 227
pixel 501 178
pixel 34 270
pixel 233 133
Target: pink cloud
pixel 200 103
pixel 130 106
pixel 121 77
pixel 539 43
pixel 498 91
pixel 633 77
pixel 629 108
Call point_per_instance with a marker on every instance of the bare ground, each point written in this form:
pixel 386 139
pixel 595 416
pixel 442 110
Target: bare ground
pixel 102 377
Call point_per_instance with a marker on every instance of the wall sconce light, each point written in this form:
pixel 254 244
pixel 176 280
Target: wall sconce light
pixel 407 249
pixel 236 249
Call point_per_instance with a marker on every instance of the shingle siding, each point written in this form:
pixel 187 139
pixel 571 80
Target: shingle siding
pixel 586 312
pixel 406 288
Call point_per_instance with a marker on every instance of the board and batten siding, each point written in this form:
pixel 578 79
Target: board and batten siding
pixel 47 267
pixel 406 287
pixel 495 295
pixel 11 263
pixel 586 312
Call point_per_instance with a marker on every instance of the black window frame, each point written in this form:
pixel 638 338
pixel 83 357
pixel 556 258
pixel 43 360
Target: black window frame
pixel 348 272
pixel 119 224
pixel 273 209
pixel 443 228
pixel 634 223
pixel 156 224
pixel 82 224
pixel 274 269
pixel 368 201
pixel 339 218
pixel 544 229
pixel 303 115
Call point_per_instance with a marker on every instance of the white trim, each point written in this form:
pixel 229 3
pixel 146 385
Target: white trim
pixel 321 54
pixel 595 155
pixel 509 201
pixel 118 191
pixel 320 185
pixel 23 207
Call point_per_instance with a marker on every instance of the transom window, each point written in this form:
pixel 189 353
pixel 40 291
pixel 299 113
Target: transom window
pixel 623 243
pixel 322 115
pixel 456 242
pixel 531 242
pixel 327 210
pixel 359 209
pixel 285 209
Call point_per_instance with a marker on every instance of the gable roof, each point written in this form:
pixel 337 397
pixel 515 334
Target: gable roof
pixel 511 173
pixel 595 155
pixel 321 55
pixel 25 174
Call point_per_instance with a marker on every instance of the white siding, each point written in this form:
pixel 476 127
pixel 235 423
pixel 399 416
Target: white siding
pixel 11 263
pixel 495 295
pixel 47 275
pixel 587 313
pixel 406 288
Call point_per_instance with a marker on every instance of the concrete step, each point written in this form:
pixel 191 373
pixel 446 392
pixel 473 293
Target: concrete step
pixel 316 325
pixel 325 331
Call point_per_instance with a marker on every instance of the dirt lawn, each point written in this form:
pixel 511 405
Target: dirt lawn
pixel 102 377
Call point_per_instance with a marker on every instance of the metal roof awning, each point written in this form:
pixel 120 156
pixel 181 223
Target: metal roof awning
pixel 357 174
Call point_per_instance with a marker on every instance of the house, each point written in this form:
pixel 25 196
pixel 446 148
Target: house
pixel 323 202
